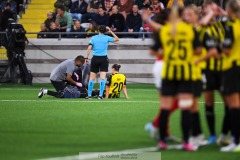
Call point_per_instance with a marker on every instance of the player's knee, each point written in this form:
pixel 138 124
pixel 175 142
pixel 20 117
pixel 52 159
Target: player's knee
pixel 185 103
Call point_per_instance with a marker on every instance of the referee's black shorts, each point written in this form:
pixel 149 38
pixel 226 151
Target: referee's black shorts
pixel 212 80
pixel 173 87
pixel 231 81
pixel 99 64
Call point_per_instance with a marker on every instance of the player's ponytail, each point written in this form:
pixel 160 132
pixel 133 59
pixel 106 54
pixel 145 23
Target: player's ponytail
pixel 116 67
pixel 176 13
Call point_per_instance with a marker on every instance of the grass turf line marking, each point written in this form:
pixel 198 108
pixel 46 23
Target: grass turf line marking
pixel 83 101
pixel 95 155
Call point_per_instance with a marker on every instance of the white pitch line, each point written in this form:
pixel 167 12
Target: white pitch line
pixel 82 101
pixel 95 155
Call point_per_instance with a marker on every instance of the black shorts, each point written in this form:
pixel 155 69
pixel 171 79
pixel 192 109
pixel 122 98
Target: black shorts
pixel 231 81
pixel 99 64
pixel 173 87
pixel 197 88
pixel 211 80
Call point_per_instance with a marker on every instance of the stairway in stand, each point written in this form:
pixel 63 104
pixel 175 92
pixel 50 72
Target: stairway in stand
pixel 36 13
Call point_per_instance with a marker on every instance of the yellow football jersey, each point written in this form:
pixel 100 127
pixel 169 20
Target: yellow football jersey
pixel 115 82
pixel 178 51
pixel 232 41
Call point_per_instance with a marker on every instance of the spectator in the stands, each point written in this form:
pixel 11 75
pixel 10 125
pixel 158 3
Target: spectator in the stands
pixel 13 7
pixel 78 9
pixel 102 18
pixel 116 20
pixel 49 20
pixel 6 14
pixel 92 11
pixel 43 29
pixel 125 7
pixel 78 28
pixel 92 29
pixel 108 4
pixel 157 6
pixel 53 28
pixel 66 3
pixel 63 20
pixel 143 4
pixel 133 22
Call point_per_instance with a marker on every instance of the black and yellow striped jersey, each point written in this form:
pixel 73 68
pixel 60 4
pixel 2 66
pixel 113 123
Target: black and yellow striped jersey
pixel 207 44
pixel 115 82
pixel 232 41
pixel 177 51
pixel 216 32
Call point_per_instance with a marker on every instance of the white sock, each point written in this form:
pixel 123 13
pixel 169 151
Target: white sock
pixel 45 91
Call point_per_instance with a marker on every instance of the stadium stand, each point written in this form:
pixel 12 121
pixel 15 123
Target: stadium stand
pixel 35 14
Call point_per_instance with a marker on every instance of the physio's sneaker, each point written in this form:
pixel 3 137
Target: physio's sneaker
pixel 41 93
pixel 100 97
pixel 162 146
pixel 189 147
pixel 88 97
pixel 212 139
pixel 229 148
pixel 223 140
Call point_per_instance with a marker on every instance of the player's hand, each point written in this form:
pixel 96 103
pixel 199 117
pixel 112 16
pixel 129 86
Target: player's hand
pixel 79 84
pixel 87 61
pixel 75 74
pixel 145 14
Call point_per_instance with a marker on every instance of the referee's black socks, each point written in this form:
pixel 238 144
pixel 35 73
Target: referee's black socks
pixel 210 116
pixel 235 123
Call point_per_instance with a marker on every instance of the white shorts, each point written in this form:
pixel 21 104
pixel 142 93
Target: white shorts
pixel 157 71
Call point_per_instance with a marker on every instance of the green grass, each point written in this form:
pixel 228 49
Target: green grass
pixel 32 128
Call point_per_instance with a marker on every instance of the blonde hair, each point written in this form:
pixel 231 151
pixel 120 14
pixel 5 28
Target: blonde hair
pixel 176 12
pixel 234 5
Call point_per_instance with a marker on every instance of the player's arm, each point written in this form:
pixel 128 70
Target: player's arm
pixel 197 45
pixel 89 49
pixel 154 49
pixel 210 46
pixel 125 90
pixel 228 40
pixel 146 18
pixel 107 92
pixel 108 83
pixel 113 34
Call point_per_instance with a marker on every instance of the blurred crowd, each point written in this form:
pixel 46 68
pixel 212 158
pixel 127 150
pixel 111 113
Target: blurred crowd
pixel 85 15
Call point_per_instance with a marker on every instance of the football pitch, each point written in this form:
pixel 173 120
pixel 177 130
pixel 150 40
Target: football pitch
pixel 33 128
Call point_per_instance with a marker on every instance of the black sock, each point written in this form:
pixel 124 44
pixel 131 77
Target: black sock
pixel 186 124
pixel 226 121
pixel 51 93
pixel 163 120
pixel 210 119
pixel 196 124
pixel 235 123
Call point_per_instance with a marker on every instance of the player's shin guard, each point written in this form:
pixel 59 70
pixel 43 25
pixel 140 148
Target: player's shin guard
pixel 196 124
pixel 235 123
pixel 164 115
pixel 226 121
pixel 186 124
pixel 210 119
pixel 102 87
pixel 90 87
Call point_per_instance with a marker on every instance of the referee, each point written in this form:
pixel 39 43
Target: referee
pixel 62 74
pixel 99 62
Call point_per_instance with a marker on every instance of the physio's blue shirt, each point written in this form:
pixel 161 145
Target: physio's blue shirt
pixel 100 44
